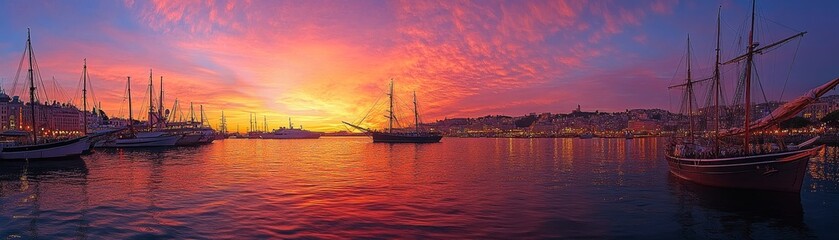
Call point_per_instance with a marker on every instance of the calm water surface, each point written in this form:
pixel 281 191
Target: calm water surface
pixel 351 188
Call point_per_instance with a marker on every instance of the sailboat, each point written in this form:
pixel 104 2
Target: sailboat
pixel 95 135
pixel 391 136
pixel 36 150
pixel 222 133
pixel 728 158
pixel 150 138
pixel 207 132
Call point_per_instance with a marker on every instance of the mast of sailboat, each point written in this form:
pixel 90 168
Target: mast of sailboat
pixel 717 88
pixel 689 89
pixel 160 100
pixel 265 123
pixel 151 104
pixel 748 80
pixel 32 88
pixel 130 113
pixel 747 75
pixel 174 116
pixel 223 125
pixel 84 96
pixel 202 114
pixel 290 126
pixel 390 111
pixel 416 113
pixel 191 114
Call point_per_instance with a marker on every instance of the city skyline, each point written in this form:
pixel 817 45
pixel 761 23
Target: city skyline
pixel 324 62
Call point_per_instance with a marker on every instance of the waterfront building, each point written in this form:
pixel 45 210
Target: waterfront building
pixel 53 119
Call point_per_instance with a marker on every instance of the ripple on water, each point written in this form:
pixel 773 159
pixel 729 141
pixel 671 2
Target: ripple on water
pixel 351 188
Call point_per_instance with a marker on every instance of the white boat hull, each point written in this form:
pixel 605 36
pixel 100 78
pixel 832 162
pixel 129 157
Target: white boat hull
pixel 62 149
pixel 290 134
pixel 158 141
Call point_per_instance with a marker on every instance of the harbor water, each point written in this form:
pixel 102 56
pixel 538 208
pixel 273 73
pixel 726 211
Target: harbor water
pixel 349 187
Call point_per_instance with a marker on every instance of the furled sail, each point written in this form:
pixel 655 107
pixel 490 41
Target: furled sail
pixel 786 111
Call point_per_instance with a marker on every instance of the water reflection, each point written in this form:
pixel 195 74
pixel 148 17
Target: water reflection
pixel 46 196
pixel 824 172
pixel 350 187
pixel 737 213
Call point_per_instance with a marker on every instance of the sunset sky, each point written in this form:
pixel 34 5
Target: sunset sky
pixel 321 62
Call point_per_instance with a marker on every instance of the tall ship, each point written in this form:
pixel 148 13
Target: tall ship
pixel 392 135
pixel 748 156
pixel 18 145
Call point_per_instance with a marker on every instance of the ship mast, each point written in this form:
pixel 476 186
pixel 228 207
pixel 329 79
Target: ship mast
pixel 390 117
pixel 223 125
pixel 191 114
pixel 202 114
pixel 717 89
pixel 160 102
pixel 416 113
pixel 151 105
pixel 689 89
pixel 32 89
pixel 84 96
pixel 130 115
pixel 748 80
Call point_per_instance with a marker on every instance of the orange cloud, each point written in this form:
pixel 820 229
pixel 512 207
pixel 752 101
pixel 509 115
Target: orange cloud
pixel 321 63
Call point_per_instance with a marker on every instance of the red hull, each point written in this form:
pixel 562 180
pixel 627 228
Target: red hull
pixel 775 172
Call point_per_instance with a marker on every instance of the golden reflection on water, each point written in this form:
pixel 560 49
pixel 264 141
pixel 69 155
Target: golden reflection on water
pixel 824 170
pixel 350 187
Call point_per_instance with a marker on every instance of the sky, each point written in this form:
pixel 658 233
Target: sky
pixel 323 62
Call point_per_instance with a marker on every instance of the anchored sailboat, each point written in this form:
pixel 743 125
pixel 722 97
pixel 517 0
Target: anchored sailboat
pixel 391 136
pixel 19 149
pixel 729 158
pixel 150 138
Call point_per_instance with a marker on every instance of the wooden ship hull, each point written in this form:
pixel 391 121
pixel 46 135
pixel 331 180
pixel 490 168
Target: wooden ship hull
pixel 381 137
pixel 782 171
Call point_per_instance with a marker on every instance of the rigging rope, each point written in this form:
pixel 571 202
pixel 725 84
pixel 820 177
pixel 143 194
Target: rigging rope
pixel 40 80
pixel 124 99
pixel 678 66
pixel 368 111
pixel 759 83
pixel 17 75
pixel 797 46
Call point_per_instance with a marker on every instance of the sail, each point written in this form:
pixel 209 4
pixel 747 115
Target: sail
pixel 786 111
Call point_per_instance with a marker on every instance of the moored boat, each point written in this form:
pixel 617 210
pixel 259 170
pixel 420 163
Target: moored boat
pixel 730 158
pixel 142 139
pixel 290 133
pixel 777 171
pixel 69 148
pixel 148 138
pixel 21 148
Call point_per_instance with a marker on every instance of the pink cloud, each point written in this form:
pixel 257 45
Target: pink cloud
pixel 323 63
